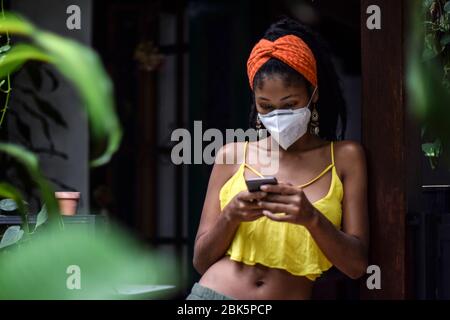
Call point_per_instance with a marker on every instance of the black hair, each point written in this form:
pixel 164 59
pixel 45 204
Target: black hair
pixel 331 103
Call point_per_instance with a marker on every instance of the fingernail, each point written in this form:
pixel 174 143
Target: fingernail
pixel 263 187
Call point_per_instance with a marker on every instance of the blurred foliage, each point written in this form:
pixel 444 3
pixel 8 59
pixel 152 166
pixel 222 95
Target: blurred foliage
pixel 428 75
pixel 35 262
pixel 30 162
pixel 107 260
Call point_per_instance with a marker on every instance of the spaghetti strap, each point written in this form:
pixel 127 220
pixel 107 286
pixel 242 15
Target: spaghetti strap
pixel 245 152
pixel 324 171
pixel 332 153
pixel 244 163
pixel 318 177
pixel 253 170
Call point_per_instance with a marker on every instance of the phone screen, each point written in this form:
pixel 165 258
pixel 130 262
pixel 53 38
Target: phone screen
pixel 254 184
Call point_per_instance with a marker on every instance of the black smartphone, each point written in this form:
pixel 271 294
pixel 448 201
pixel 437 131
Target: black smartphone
pixel 254 184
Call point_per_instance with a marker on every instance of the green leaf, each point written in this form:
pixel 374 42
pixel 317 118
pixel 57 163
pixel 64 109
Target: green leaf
pixel 8 205
pixel 30 163
pixel 16 24
pixel 11 236
pixel 7 190
pixel 5 48
pixel 430 150
pixel 82 67
pixel 18 55
pixel 41 217
pixel 28 159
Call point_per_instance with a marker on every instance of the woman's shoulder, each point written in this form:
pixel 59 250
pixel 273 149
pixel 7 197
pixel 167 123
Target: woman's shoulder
pixel 228 159
pixel 231 154
pixel 348 153
pixel 348 148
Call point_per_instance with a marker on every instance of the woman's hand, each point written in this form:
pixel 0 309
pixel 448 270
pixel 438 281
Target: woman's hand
pixel 288 199
pixel 244 206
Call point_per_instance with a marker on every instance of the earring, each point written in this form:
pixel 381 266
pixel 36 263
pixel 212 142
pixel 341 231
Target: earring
pixel 314 128
pixel 258 128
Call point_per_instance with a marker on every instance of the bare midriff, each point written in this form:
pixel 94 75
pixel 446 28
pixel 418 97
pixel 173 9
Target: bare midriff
pixel 245 282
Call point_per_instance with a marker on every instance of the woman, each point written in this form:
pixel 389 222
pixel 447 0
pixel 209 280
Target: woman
pixel 274 243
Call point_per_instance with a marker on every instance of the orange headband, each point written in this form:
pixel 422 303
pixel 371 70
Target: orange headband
pixel 289 49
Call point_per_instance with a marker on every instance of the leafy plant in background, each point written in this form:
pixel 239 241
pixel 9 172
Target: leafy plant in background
pixel 80 66
pixel 34 259
pixel 429 74
pixel 437 35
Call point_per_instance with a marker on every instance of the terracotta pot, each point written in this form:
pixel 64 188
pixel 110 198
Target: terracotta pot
pixel 68 202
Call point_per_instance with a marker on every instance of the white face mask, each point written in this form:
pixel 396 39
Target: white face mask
pixel 287 125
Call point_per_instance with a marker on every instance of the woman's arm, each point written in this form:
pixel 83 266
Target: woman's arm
pixel 217 229
pixel 346 249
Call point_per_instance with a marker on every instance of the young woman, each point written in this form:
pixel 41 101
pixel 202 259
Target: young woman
pixel 274 243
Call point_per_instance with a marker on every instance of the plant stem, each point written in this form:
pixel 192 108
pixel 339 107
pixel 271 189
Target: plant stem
pixel 8 94
pixel 8 78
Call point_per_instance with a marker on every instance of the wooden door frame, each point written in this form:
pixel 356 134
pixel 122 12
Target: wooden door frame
pixel 384 137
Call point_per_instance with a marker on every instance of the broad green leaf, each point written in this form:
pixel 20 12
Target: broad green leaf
pixel 43 267
pixel 11 236
pixel 7 190
pixel 82 67
pixel 15 24
pixel 18 55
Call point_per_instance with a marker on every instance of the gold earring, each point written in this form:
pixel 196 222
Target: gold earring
pixel 314 128
pixel 258 127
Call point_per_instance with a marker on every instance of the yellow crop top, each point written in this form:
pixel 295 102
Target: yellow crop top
pixel 283 245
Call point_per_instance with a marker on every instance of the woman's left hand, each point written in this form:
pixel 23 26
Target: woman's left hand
pixel 288 199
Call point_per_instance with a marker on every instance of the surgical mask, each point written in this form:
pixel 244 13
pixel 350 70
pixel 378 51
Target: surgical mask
pixel 287 125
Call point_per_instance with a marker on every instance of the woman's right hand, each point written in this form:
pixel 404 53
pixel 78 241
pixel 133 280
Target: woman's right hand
pixel 244 206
